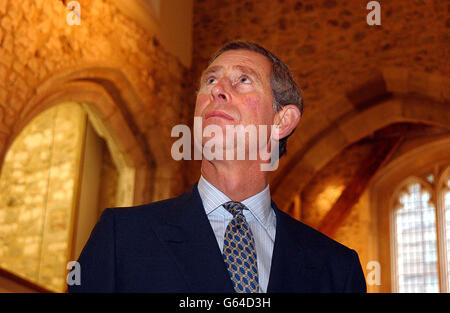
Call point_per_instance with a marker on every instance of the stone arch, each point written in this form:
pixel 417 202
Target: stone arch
pixel 445 173
pixel 405 96
pixel 105 94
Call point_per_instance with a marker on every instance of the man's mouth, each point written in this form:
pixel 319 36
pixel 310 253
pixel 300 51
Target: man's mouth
pixel 216 113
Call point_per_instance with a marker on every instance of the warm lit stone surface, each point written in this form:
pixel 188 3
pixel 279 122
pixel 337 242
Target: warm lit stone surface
pixel 37 44
pixel 37 187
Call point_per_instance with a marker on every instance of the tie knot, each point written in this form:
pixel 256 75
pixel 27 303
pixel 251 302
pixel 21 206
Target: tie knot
pixel 234 207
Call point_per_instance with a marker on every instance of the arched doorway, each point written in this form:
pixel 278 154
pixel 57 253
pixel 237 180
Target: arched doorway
pixel 57 177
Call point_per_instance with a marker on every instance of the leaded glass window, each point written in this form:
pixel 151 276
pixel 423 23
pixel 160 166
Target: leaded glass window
pixel 421 232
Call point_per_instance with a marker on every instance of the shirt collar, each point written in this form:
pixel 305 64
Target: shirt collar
pixel 259 204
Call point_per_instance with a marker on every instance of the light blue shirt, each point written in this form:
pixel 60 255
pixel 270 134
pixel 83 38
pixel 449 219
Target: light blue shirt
pixel 260 216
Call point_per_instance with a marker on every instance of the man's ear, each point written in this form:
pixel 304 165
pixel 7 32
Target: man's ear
pixel 286 120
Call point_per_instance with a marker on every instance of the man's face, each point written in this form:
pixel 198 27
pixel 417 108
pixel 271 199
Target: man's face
pixel 235 90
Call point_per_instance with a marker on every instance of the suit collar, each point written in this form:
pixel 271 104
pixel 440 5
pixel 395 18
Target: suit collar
pixel 294 266
pixel 259 204
pixel 189 237
pixel 212 198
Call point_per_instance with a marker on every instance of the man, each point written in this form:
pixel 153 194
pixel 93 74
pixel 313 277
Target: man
pixel 225 234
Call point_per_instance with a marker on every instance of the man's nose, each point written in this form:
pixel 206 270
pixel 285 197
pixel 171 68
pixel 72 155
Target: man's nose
pixel 220 91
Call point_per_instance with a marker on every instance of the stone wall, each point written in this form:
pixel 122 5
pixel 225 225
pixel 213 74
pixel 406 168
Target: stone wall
pixel 328 44
pixel 36 44
pixel 37 190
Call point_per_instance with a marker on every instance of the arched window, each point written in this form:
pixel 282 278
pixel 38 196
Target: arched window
pixel 420 222
pixel 445 195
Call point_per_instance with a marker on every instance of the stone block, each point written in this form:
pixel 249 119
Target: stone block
pixel 6 23
pixel 3 95
pixel 396 79
pixel 3 75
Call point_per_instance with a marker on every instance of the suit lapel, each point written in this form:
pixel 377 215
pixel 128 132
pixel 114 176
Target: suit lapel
pixel 188 235
pixel 190 238
pixel 293 268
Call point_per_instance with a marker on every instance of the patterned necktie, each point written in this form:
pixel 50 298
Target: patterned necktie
pixel 239 252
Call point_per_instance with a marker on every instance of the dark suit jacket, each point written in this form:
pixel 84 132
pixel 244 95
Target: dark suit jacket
pixel 169 246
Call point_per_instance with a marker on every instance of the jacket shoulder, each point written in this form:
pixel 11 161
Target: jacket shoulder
pixel 155 210
pixel 335 260
pixel 309 237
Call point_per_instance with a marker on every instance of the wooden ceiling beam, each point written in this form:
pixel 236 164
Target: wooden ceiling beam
pixel 343 206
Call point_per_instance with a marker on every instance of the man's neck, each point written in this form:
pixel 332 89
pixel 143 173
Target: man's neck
pixel 238 180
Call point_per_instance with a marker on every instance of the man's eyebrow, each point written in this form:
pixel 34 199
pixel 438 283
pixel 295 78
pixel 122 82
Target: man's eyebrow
pixel 243 69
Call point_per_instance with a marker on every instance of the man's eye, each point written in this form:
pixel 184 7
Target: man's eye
pixel 210 80
pixel 244 79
